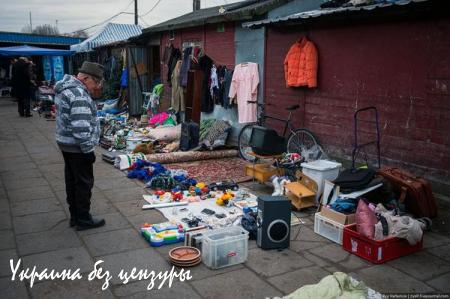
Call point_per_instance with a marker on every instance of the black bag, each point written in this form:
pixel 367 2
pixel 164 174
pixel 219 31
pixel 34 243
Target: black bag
pixel 190 135
pixel 248 222
pixel 354 179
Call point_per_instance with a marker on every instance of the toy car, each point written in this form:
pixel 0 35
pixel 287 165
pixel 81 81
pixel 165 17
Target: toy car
pixel 224 185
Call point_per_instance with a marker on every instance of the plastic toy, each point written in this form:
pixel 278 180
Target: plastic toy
pixel 224 199
pixel 177 194
pixel 159 192
pixel 224 185
pixel 200 185
pixel 163 233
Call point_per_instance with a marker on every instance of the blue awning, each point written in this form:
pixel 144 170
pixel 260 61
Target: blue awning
pixel 37 39
pixel 33 51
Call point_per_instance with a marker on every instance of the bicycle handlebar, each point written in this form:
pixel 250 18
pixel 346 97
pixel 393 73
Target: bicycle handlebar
pixel 259 104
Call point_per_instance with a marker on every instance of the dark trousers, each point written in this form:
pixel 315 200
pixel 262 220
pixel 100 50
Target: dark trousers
pixel 23 104
pixel 79 177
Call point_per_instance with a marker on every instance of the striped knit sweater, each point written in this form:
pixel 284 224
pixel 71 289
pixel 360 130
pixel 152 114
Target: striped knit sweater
pixel 77 126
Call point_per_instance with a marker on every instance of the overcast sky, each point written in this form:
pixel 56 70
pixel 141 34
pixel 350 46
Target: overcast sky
pixel 72 15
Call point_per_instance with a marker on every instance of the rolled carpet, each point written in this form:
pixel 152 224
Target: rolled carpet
pixel 189 156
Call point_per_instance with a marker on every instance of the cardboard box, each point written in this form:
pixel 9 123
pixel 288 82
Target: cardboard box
pixel 338 217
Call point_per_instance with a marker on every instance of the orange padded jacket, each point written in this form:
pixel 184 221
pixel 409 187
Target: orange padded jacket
pixel 300 64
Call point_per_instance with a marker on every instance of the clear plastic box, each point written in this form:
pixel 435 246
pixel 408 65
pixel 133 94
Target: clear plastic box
pixel 225 247
pixel 328 228
pixel 321 170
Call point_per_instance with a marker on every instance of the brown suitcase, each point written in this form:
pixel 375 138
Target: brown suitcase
pixel 414 191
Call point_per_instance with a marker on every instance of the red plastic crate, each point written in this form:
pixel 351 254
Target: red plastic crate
pixel 374 251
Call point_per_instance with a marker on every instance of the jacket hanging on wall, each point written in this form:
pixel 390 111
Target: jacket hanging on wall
pixel 225 87
pixel 177 102
pixel 205 63
pixel 175 55
pixel 300 64
pixel 244 86
pixel 185 66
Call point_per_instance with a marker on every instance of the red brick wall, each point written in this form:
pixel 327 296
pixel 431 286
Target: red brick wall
pixel 402 68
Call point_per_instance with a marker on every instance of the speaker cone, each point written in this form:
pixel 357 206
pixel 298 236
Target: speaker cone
pixel 278 231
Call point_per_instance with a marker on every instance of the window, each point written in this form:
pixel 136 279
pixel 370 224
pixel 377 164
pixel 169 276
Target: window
pixel 192 43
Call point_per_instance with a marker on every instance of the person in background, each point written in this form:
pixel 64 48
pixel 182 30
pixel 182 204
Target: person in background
pixel 77 133
pixel 22 82
pixel 33 83
pixel 12 76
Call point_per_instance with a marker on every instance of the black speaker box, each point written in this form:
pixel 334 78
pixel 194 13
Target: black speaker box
pixel 274 222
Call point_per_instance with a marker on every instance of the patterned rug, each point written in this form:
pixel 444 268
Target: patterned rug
pixel 214 170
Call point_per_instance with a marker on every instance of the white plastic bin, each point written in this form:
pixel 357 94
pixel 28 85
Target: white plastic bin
pixel 328 228
pixel 225 247
pixel 321 170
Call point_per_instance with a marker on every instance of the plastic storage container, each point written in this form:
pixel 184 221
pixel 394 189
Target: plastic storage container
pixel 225 247
pixel 374 251
pixel 321 170
pixel 328 228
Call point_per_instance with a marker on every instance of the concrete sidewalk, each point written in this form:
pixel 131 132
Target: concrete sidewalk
pixel 34 227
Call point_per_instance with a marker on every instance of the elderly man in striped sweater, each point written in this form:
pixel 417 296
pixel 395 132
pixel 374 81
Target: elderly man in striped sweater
pixel 77 133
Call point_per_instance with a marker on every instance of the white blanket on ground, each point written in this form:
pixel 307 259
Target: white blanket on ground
pixel 195 209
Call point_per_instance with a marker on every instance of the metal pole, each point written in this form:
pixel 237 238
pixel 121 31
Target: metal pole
pixel 31 24
pixel 135 12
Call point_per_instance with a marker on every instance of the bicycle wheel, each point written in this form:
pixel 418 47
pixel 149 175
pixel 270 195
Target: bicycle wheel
pixel 244 142
pixel 304 142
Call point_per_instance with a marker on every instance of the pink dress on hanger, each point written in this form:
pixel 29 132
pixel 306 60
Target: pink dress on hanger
pixel 244 86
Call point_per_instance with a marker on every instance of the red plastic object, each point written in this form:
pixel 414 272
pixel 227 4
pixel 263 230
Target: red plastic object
pixel 374 251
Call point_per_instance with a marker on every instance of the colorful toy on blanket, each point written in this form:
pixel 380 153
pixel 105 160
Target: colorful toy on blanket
pixel 163 233
pixel 177 194
pixel 198 189
pixel 224 199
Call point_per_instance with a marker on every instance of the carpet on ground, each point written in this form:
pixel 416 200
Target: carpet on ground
pixel 189 156
pixel 214 170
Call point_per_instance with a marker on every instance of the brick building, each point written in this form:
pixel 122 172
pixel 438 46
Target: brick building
pixel 393 57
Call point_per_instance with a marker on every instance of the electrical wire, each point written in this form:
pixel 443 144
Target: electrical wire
pixel 143 21
pixel 108 19
pixel 151 9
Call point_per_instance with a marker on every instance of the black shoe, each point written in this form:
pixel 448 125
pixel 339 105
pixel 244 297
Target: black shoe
pixel 90 223
pixel 29 115
pixel 73 222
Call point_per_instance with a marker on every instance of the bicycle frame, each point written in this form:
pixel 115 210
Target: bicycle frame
pixel 287 123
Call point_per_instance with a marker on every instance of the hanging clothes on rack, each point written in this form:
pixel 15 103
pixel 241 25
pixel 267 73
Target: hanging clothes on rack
pixel 167 53
pixel 224 76
pixel 226 85
pixel 175 55
pixel 205 63
pixel 244 87
pixel 214 85
pixel 185 66
pixel 177 101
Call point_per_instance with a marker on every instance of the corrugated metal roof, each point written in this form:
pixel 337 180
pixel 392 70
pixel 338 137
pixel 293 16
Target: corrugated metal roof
pixel 236 11
pixel 328 11
pixel 110 33
pixel 27 38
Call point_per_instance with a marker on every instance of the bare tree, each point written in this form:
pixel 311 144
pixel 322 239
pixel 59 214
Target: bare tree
pixel 80 33
pixel 46 29
pixel 26 29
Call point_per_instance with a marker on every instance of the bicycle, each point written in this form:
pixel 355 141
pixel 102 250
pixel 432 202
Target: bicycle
pixel 301 141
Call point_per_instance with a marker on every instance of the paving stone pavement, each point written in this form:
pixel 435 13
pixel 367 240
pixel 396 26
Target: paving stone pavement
pixel 34 227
